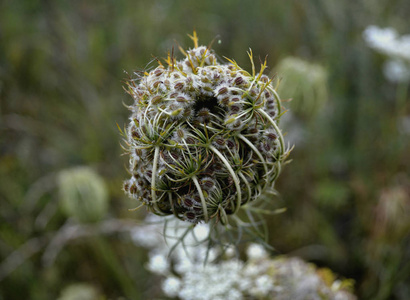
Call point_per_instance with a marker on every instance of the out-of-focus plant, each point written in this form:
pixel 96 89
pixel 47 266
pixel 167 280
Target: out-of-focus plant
pixel 397 68
pixel 305 83
pixel 197 272
pixel 388 246
pixel 397 48
pixel 80 291
pixel 83 194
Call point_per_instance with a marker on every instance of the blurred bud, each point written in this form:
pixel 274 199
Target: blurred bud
pixel 392 213
pixel 80 291
pixel 83 194
pixel 305 83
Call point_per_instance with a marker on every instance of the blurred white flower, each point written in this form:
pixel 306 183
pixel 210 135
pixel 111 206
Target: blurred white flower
pixel 256 251
pixel 381 39
pixel 262 286
pixel 396 71
pixel 387 41
pixel 158 264
pixel 397 48
pixel 171 286
pixel 192 271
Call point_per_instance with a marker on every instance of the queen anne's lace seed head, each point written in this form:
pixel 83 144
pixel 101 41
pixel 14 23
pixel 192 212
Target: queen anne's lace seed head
pixel 203 137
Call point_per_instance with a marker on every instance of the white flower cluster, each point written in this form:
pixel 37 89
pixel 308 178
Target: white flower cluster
pixel 397 48
pixel 387 41
pixel 195 272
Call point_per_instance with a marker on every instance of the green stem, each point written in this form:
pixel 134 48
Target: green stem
pixel 254 149
pixel 153 178
pixel 201 195
pixel 247 187
pixel 232 172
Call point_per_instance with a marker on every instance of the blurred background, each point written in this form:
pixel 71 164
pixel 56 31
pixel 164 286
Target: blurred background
pixel 64 220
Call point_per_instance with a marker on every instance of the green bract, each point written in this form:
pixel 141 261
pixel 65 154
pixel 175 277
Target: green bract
pixel 203 137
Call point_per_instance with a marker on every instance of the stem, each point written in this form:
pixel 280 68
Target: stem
pixel 172 205
pixel 201 195
pixel 224 217
pixel 254 149
pixel 247 187
pixel 153 177
pixel 235 178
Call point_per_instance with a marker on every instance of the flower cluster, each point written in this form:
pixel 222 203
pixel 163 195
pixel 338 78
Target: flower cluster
pixel 387 41
pixel 195 272
pixel 203 137
pixel 397 48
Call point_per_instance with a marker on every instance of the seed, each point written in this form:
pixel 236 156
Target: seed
pixel 174 155
pixel 224 101
pixel 208 183
pixel 220 142
pixel 133 189
pixel 135 135
pixel 190 216
pixel 158 72
pixel 180 133
pixel 234 109
pixel 223 90
pixel 230 144
pixel 238 80
pixel 181 99
pixel 190 140
pixel 253 130
pixel 179 86
pixel 126 186
pixel 156 84
pixel 272 136
pixel 156 100
pixel 188 202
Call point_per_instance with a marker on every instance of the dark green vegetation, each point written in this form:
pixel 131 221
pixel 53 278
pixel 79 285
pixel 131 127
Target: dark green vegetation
pixel 61 69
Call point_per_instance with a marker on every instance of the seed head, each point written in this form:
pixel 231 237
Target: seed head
pixel 203 137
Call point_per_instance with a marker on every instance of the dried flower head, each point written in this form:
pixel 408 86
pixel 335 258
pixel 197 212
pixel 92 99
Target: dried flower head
pixel 203 137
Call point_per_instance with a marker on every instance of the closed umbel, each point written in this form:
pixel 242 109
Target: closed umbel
pixel 203 137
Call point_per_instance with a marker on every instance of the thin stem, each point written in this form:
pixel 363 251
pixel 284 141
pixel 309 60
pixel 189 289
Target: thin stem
pixel 171 203
pixel 201 195
pixel 232 172
pixel 224 217
pixel 254 149
pixel 247 187
pixel 153 177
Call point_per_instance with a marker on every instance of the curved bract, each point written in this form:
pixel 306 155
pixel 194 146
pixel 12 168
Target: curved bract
pixel 203 137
